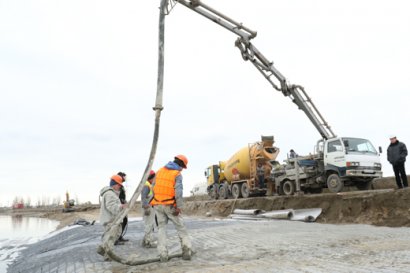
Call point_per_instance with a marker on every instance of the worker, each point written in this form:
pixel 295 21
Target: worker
pixel 149 213
pixel 123 200
pixel 260 171
pixel 293 154
pixel 110 207
pixel 396 155
pixel 168 204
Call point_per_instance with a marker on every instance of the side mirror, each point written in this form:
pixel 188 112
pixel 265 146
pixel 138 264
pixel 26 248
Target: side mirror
pixel 380 149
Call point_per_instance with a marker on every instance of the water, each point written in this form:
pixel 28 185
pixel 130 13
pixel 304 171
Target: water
pixel 18 231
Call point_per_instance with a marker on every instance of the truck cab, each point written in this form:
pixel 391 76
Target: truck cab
pixel 349 161
pixel 214 176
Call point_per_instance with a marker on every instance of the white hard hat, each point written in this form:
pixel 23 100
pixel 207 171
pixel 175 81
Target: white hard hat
pixel 392 136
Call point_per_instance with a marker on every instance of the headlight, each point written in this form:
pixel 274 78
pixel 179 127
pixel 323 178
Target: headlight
pixel 352 164
pixel 377 165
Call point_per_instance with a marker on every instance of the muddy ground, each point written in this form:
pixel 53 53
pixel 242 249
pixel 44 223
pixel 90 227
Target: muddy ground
pixel 385 205
pixel 382 206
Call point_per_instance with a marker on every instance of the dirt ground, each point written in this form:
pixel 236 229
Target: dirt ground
pixel 383 206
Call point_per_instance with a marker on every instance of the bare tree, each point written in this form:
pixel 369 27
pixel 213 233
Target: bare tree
pixel 27 204
pixel 15 200
pixel 45 201
pixel 38 203
pixel 56 201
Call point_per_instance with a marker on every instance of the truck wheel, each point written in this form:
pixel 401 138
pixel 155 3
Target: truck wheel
pixel 212 193
pixel 288 187
pixel 334 183
pixel 236 190
pixel 223 191
pixel 245 190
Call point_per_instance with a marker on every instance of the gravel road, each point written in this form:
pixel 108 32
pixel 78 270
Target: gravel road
pixel 233 246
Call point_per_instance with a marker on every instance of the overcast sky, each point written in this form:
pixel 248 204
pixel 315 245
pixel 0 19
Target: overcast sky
pixel 78 83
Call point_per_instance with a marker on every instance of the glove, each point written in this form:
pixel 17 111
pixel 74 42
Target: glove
pixel 176 212
pixel 147 212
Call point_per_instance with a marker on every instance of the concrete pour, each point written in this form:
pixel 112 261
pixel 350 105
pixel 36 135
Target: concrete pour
pixel 233 246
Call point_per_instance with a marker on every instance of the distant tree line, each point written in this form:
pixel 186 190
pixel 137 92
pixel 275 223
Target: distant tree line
pixel 41 202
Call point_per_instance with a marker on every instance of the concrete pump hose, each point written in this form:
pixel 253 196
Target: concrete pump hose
pixel 110 235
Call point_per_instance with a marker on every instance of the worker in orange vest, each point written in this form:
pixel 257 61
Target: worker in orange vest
pixel 149 213
pixel 168 204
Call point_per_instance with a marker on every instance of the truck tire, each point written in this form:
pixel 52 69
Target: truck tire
pixel 212 193
pixel 236 190
pixel 334 183
pixel 224 191
pixel 288 187
pixel 245 190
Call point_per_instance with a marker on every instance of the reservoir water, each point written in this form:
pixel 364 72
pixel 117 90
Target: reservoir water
pixel 18 231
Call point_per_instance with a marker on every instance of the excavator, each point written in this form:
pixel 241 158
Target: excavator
pixel 336 161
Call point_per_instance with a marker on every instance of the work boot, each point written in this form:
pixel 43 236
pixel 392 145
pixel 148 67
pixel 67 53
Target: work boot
pixel 122 239
pixel 100 250
pixel 153 245
pixel 118 242
pixel 186 253
pixel 163 258
pixel 149 245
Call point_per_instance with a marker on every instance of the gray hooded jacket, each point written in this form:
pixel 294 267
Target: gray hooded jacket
pixel 110 205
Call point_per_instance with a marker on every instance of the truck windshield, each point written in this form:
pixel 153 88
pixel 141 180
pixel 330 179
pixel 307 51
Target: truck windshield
pixel 358 145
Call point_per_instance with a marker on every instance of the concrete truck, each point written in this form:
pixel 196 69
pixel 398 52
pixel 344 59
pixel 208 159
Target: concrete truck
pixel 337 161
pixel 238 176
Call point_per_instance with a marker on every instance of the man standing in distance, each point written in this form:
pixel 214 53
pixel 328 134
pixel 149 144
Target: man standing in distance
pixel 396 155
pixel 168 203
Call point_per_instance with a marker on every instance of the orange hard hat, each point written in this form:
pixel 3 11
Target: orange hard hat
pixel 184 159
pixel 117 178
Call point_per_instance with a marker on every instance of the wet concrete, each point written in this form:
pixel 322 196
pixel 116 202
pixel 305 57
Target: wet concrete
pixel 233 246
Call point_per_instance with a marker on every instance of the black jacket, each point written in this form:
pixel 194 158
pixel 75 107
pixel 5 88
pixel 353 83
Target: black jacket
pixel 122 197
pixel 396 153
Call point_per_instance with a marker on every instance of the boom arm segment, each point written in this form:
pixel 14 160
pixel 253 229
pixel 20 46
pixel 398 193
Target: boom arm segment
pixel 251 53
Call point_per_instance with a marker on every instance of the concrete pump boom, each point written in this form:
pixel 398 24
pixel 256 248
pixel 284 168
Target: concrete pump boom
pixel 250 53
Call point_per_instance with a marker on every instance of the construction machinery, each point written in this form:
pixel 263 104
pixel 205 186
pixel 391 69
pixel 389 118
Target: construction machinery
pixel 238 177
pixel 336 161
pixel 68 204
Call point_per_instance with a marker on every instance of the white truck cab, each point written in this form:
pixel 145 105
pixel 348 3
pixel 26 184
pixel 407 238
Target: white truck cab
pixel 349 161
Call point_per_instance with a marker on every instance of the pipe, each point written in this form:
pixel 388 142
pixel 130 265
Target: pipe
pixel 278 214
pixel 111 233
pixel 247 211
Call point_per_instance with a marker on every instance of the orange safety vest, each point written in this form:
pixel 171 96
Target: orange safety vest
pixel 164 191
